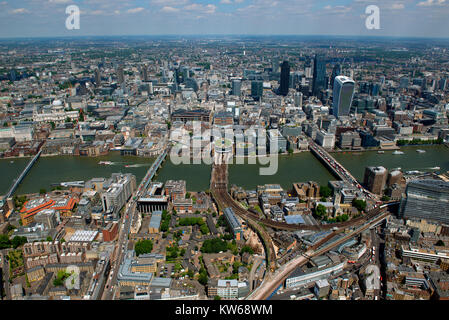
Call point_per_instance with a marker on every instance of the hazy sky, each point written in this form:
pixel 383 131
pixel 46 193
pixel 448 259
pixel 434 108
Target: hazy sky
pixel 34 18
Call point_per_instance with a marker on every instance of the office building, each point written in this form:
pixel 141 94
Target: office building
pixel 228 289
pixel 97 77
pixel 325 139
pixel 257 89
pixel 120 75
pixel 298 99
pixel 319 75
pixel 118 193
pixel 145 73
pixel 236 88
pixel 343 95
pixel 375 179
pixel 426 199
pixel 285 78
pixel 336 71
pixel 275 138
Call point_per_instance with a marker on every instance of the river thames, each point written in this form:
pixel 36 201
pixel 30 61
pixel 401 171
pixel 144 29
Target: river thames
pixel 299 167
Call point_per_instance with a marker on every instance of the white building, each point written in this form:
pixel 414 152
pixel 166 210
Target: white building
pixel 343 95
pixel 325 139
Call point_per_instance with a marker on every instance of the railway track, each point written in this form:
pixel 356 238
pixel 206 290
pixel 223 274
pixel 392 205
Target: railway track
pixel 223 199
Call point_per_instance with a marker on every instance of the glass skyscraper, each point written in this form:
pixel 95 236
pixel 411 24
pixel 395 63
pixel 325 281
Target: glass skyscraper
pixel 257 89
pixel 343 95
pixel 236 87
pixel 319 75
pixel 426 199
pixel 335 73
pixel 285 78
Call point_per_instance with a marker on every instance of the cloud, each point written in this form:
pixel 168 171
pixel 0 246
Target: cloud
pixel 168 9
pixel 169 3
pixel 19 11
pixel 226 1
pixel 429 3
pixel 59 1
pixel 199 8
pixel 135 10
pixel 398 6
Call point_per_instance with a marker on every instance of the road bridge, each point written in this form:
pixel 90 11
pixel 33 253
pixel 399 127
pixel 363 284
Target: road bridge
pixel 338 170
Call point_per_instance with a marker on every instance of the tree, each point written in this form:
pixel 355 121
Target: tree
pixel 4 241
pixel 204 229
pixel 246 249
pixel 203 277
pixel 42 191
pixel 214 246
pixel 49 238
pixel 359 204
pixel 217 298
pixel 325 191
pixel 143 246
pixel 321 211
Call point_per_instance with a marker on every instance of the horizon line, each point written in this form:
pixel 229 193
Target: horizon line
pixel 222 35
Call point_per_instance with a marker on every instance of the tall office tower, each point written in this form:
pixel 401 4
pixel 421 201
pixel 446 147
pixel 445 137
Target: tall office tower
pixel 120 74
pixel 275 64
pixel 298 99
pixel 145 72
pixel 442 84
pixel 236 87
pixel 97 77
pixel 375 179
pixel 185 72
pixel 285 78
pixel 319 75
pixel 336 71
pixel 403 83
pixel 256 89
pixel 343 95
pixel 426 199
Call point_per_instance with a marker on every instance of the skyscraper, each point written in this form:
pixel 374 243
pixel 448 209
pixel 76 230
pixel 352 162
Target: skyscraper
pixel 319 75
pixel 343 95
pixel 275 64
pixel 298 99
pixel 335 73
pixel 426 199
pixel 120 74
pixel 145 73
pixel 236 87
pixel 97 77
pixel 256 89
pixel 285 78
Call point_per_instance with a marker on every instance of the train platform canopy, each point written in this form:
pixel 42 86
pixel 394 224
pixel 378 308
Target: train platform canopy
pixel 294 219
